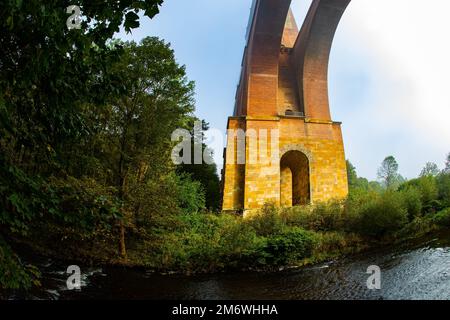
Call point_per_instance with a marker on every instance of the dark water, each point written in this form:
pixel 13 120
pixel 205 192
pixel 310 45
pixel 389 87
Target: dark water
pixel 418 271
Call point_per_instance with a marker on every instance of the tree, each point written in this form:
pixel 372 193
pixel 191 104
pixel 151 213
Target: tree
pixel 351 174
pixel 427 187
pixel 356 184
pixel 139 124
pixel 430 169
pixel 443 182
pixel 375 186
pixel 388 173
pixel 204 173
pixel 447 164
pixel 49 74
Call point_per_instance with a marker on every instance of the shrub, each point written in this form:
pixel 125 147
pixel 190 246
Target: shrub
pixel 413 202
pixel 290 245
pixel 418 227
pixel 189 194
pixel 331 244
pixel 326 216
pixel 13 273
pixel 442 218
pixel 267 221
pixel 428 188
pixel 353 207
pixel 204 243
pixel 83 206
pixel 381 214
pixel 443 182
pixel 299 216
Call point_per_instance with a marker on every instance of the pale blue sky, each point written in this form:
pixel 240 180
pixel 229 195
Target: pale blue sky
pixel 387 88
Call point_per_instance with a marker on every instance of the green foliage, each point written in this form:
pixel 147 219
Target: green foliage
pixel 418 227
pixel 443 182
pixel 428 189
pixel 330 216
pixel 204 242
pixel 298 216
pixel 320 217
pixel 52 81
pixel 50 73
pixel 13 274
pixel 359 185
pixel 352 177
pixel 267 221
pixel 206 175
pixel 380 214
pixel 447 165
pixel 413 202
pixel 84 204
pixel 134 131
pixel 442 218
pixel 188 194
pixel 275 237
pixel 289 246
pixel 205 172
pixel 430 169
pixel 337 243
pixel 21 197
pixel 207 242
pixel 156 201
pixel 375 186
pixel 355 183
pixel 388 173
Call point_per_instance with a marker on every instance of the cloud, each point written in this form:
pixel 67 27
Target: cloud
pixel 400 49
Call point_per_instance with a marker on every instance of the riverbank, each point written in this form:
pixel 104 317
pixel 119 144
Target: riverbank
pixel 413 270
pixel 273 240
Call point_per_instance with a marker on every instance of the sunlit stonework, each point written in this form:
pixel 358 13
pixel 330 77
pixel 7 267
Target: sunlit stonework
pixel 283 88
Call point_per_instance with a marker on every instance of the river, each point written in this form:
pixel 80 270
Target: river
pixel 415 271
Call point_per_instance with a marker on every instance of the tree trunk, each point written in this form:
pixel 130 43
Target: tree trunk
pixel 121 187
pixel 122 246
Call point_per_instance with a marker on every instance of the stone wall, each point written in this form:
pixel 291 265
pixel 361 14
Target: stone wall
pixel 250 186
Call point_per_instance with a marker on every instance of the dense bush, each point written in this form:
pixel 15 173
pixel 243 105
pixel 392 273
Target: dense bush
pixel 418 227
pixel 299 216
pixel 381 214
pixel 267 221
pixel 84 204
pixel 324 216
pixel 335 243
pixel 427 187
pixel 13 274
pixel 443 181
pixel 274 237
pixel 208 242
pixel 289 246
pixel 442 218
pixel 412 201
pixel 202 243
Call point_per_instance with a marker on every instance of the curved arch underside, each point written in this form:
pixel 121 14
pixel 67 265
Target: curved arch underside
pixel 294 179
pixel 280 74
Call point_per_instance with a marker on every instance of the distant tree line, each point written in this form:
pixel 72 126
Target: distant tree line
pixel 432 183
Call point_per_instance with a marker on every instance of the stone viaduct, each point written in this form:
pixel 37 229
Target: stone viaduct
pixel 282 97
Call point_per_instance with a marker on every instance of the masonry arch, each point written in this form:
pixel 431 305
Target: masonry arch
pixel 295 185
pixel 290 64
